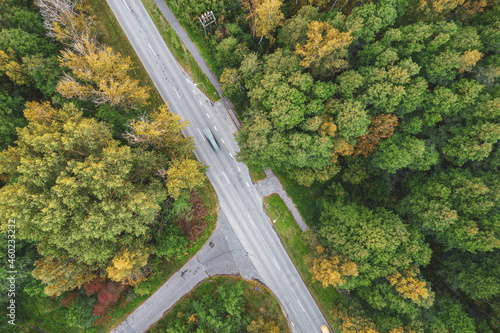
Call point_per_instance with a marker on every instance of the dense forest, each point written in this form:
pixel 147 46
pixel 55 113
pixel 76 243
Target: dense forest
pixel 390 112
pixel 101 187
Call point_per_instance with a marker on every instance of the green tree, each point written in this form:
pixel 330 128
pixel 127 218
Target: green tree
pixel 378 242
pixel 77 192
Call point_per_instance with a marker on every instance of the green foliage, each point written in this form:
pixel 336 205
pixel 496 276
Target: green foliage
pixel 80 312
pixel 378 242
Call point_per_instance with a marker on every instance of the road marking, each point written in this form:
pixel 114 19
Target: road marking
pixel 248 185
pixel 201 103
pixel 226 177
pixel 239 169
pixel 253 224
pixel 301 306
pixel 292 323
pixel 279 268
pixel 216 128
pixel 201 134
pixel 208 116
pixel 194 91
pixel 221 139
pixel 152 49
pixel 176 92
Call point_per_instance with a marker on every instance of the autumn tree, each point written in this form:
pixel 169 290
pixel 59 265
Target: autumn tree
pixel 184 174
pixel 162 130
pixel 408 284
pixel 128 265
pixel 325 49
pixel 330 269
pixel 268 17
pixel 381 127
pixel 193 222
pixel 262 326
pixel 100 75
pixel 62 274
pixel 78 192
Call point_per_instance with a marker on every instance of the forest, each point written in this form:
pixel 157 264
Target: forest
pixel 387 115
pixel 100 190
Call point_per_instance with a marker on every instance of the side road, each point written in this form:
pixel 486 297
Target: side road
pixel 267 186
pixel 179 30
pixel 222 254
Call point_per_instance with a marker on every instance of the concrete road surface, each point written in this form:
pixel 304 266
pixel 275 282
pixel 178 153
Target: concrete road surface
pixel 238 198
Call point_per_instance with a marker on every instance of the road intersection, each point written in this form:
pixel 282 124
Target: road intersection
pixel 238 197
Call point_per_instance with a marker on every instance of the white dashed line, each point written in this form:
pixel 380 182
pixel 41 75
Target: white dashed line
pixel 176 92
pixel 226 177
pixel 208 116
pixel 248 185
pixel 216 128
pixel 239 169
pixel 301 306
pixel 151 48
pixel 201 103
pixel 194 92
pixel 201 134
pixel 221 139
pixel 279 269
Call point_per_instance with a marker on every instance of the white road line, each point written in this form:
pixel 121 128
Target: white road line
pixel 221 139
pixel 201 134
pixel 239 169
pixel 279 268
pixel 253 224
pixel 226 177
pixel 291 322
pixel 208 116
pixel 216 128
pixel 248 185
pixel 301 306
pixel 201 103
pixel 130 10
pixel 151 49
pixel 194 91
pixel 176 92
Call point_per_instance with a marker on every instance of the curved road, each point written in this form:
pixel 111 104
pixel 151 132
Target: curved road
pixel 238 197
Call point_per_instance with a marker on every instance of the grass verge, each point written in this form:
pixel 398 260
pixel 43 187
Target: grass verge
pixel 180 52
pixel 289 233
pixel 257 174
pixel 254 301
pixel 112 34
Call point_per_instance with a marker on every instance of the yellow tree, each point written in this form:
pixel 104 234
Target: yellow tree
pixel 61 274
pixel 250 7
pixel 326 47
pixel 101 75
pixel 261 326
pixel 350 321
pixel 128 265
pixel 184 174
pixel 12 69
pixel 161 129
pixel 268 17
pixel 330 269
pixel 469 59
pixel 408 284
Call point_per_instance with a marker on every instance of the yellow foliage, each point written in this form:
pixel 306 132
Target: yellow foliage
pixel 268 17
pixel 342 147
pixel 469 59
pixel 332 270
pixel 127 266
pixel 324 42
pixel 103 74
pixel 40 112
pixel 402 330
pixel 328 128
pixel 12 69
pixel 350 322
pixel 408 285
pixel 184 174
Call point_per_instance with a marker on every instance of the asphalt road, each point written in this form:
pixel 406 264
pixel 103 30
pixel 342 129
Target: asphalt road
pixel 238 197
